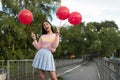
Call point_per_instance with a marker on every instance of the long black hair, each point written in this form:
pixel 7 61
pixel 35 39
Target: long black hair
pixel 43 30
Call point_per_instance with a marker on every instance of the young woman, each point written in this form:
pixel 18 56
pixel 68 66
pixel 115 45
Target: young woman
pixel 47 44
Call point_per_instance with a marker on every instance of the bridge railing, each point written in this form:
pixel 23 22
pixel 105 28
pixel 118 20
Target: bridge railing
pixel 109 69
pixel 2 63
pixel 23 70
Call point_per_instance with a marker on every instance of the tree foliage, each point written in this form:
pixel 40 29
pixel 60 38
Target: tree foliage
pixel 16 42
pixel 90 40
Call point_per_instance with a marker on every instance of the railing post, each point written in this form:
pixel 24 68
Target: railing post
pixel 117 74
pixel 33 73
pixel 26 68
pixel 8 70
pixel 18 69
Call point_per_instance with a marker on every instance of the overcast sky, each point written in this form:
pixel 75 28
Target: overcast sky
pixel 93 10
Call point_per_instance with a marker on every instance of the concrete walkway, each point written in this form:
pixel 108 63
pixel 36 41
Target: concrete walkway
pixel 80 72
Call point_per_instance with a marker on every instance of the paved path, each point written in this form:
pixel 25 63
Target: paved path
pixel 64 70
pixel 82 72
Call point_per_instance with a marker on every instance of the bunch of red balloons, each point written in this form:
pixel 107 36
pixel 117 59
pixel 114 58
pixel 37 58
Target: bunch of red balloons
pixel 63 13
pixel 25 16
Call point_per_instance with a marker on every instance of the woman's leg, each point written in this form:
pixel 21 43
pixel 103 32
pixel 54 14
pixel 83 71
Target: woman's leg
pixel 41 74
pixel 53 75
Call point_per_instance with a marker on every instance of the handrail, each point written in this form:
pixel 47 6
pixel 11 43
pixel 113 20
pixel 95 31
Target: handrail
pixel 23 70
pixel 109 69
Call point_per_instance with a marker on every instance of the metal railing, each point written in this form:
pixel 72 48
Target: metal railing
pixel 109 69
pixel 2 70
pixel 2 63
pixel 23 70
pixel 20 70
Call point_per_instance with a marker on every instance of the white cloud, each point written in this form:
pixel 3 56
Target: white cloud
pixel 0 7
pixel 0 2
pixel 94 10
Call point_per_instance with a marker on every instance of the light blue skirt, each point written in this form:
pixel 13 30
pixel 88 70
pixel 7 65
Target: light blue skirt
pixel 44 60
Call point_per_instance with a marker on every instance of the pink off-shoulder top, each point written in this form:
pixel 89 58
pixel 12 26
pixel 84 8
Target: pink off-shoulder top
pixel 49 41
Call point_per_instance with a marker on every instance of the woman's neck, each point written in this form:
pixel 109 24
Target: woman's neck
pixel 50 32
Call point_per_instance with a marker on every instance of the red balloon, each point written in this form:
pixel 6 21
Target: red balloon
pixel 25 16
pixel 75 18
pixel 62 12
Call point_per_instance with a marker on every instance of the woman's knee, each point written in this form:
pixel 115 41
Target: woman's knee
pixel 53 75
pixel 42 74
pixel 42 77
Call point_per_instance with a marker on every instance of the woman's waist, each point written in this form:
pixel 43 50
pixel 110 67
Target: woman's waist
pixel 46 48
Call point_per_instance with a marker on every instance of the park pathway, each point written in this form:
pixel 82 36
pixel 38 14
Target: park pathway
pixel 87 71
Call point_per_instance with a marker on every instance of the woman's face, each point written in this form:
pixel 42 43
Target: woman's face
pixel 47 26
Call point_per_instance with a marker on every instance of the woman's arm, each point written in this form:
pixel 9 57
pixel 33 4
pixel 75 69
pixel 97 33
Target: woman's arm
pixel 36 44
pixel 52 50
pixel 56 41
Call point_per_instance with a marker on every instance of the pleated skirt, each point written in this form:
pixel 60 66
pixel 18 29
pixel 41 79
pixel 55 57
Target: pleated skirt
pixel 44 60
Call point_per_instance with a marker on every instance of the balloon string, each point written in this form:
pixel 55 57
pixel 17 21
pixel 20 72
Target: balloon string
pixel 64 23
pixel 61 25
pixel 30 28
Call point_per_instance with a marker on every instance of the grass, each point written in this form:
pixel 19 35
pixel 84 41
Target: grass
pixel 60 78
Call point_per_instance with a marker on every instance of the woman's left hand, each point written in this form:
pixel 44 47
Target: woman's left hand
pixel 57 31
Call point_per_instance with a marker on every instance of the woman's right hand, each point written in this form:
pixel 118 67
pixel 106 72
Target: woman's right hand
pixel 33 36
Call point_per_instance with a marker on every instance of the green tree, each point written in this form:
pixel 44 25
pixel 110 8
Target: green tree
pixel 84 40
pixel 103 38
pixel 92 38
pixel 16 42
pixel 110 41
